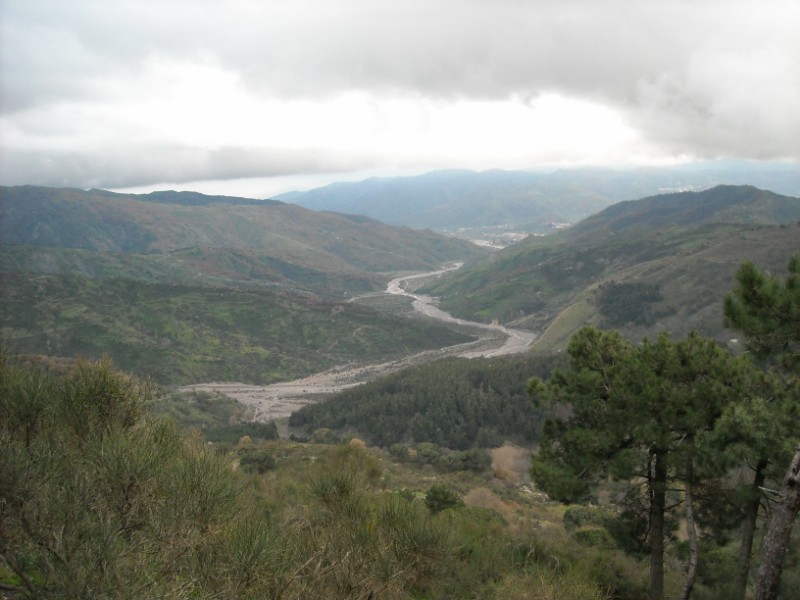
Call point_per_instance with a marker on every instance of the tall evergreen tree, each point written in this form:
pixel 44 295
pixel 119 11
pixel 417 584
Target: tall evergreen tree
pixel 754 433
pixel 767 311
pixel 634 413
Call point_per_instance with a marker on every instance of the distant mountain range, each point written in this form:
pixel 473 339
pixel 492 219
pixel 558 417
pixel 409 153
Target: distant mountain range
pixel 488 204
pixel 659 263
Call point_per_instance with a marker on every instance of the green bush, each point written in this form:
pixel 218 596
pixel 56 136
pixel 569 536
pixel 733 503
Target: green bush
pixel 474 459
pixel 399 452
pixel 579 516
pixel 598 538
pixel 257 461
pixel 131 498
pixel 440 498
pixel 427 453
pixel 323 435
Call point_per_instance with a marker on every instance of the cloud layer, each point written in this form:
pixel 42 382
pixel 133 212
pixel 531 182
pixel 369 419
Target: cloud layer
pixel 130 93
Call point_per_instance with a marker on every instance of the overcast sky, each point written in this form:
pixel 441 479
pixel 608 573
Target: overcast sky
pixel 245 97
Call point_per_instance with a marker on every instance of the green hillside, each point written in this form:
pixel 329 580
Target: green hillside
pixel 722 204
pixel 182 334
pixel 686 245
pixel 241 268
pixel 189 288
pixel 159 223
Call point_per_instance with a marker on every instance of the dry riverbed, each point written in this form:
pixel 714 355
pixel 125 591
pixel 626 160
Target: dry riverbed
pixel 279 400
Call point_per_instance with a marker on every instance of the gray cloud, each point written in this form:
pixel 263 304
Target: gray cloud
pixel 126 166
pixel 447 48
pixel 708 78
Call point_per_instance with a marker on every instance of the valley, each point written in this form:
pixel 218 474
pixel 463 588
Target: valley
pixel 328 366
pixel 340 300
pixel 280 400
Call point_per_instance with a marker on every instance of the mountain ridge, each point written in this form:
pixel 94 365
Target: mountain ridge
pixel 526 201
pixel 134 224
pixel 188 288
pixel 553 282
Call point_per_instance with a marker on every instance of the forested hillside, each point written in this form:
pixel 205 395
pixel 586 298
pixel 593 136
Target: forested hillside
pixel 159 223
pixel 186 287
pixel 182 334
pixel 454 403
pixel 681 247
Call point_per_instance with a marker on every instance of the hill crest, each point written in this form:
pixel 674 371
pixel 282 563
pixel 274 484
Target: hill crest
pixel 682 249
pixel 729 204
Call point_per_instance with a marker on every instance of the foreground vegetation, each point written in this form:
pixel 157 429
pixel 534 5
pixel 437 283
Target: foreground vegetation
pixel 671 420
pixel 101 499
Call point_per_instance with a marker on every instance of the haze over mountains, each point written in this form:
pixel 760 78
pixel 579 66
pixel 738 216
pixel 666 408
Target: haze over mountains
pixel 489 204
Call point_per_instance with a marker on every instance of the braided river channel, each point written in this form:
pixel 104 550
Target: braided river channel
pixel 279 400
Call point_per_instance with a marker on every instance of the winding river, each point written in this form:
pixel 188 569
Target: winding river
pixel 278 400
pixel 517 340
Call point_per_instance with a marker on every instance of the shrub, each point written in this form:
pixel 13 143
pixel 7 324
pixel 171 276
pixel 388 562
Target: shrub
pixel 257 461
pixel 440 498
pixel 323 435
pixel 427 453
pixel 597 538
pixel 131 498
pixel 399 452
pixel 579 516
pixel 474 459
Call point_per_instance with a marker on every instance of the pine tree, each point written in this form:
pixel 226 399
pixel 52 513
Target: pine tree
pixel 767 311
pixel 635 412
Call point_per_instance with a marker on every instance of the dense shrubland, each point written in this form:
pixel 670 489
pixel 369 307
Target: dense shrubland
pixel 186 333
pixel 623 303
pixel 102 499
